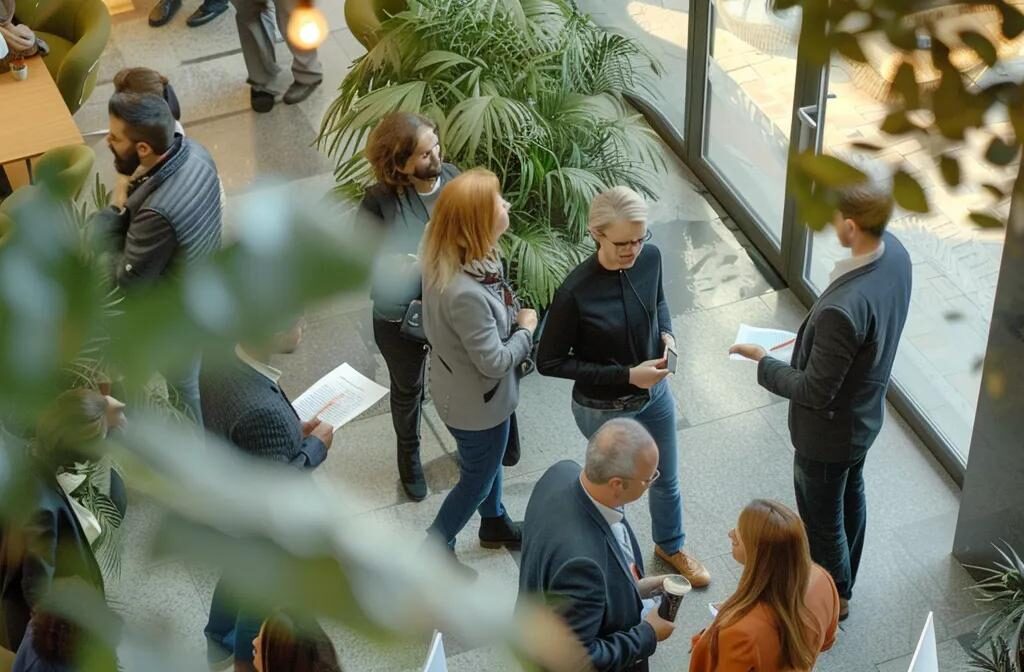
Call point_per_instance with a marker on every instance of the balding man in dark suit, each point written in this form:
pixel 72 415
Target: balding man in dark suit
pixel 580 554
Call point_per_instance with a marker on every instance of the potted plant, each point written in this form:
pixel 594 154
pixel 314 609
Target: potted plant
pixel 532 91
pixel 1001 637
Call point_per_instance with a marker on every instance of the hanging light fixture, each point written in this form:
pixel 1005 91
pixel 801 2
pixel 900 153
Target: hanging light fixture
pixel 307 26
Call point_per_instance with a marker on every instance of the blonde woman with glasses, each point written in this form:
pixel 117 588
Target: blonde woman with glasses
pixel 609 330
pixel 479 335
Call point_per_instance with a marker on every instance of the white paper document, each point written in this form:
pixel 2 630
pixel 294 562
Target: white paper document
pixel 435 660
pixel 777 342
pixel 338 397
pixel 926 655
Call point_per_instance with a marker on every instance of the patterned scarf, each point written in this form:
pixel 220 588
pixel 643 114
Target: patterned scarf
pixel 489 272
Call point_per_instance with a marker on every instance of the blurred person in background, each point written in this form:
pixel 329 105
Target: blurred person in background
pixel 289 643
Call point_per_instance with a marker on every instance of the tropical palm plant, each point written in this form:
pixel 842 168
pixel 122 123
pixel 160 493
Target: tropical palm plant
pixel 1003 588
pixel 533 90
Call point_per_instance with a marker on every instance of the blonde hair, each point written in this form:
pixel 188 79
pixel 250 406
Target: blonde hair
pixel 461 229
pixel 616 205
pixel 776 573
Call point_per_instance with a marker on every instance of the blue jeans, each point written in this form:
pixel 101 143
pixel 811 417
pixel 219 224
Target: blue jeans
pixel 658 416
pixel 479 486
pixel 229 631
pixel 184 382
pixel 830 499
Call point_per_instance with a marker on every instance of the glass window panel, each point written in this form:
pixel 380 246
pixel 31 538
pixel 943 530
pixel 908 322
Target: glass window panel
pixel 750 87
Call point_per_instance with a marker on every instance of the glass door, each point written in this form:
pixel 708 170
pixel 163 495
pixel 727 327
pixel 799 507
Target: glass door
pixel 748 112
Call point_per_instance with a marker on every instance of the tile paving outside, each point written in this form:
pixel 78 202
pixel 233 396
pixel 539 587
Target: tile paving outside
pixel 733 436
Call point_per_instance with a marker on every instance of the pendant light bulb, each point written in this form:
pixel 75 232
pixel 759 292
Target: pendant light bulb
pixel 307 27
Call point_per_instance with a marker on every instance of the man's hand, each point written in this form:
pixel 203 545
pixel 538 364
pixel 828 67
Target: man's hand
pixel 662 629
pixel 309 425
pixel 119 196
pixel 749 350
pixel 325 432
pixel 649 585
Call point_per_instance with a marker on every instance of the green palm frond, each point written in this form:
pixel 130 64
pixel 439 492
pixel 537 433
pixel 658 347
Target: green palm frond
pixel 532 90
pixel 1003 588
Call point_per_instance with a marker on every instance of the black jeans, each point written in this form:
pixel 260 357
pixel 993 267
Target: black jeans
pixel 406 362
pixel 830 498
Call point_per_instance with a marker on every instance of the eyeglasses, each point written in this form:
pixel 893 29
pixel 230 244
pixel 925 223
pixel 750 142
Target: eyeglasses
pixel 646 481
pixel 631 243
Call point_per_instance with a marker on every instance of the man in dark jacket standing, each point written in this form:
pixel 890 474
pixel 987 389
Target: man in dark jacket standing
pixel 580 553
pixel 836 383
pixel 167 214
pixel 244 404
pixel 405 154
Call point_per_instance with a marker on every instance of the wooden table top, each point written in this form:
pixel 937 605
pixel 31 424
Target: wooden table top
pixel 33 116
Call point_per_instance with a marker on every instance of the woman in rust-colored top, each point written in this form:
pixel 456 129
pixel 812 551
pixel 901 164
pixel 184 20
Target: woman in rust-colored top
pixel 786 608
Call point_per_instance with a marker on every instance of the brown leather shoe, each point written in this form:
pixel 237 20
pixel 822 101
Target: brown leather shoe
pixel 844 609
pixel 690 567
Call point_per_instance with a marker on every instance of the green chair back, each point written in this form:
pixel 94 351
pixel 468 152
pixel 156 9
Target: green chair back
pixel 65 169
pixel 364 17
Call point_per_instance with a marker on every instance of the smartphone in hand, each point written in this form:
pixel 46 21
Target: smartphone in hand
pixel 671 357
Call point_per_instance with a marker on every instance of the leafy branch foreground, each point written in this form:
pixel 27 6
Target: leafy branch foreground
pixel 300 546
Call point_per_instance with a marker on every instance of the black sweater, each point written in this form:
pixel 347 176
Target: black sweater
pixel 602 323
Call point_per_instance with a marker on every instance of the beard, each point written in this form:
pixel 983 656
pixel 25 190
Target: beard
pixel 126 165
pixel 430 172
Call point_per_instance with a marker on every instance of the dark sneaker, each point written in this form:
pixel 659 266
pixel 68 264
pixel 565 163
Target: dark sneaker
pixel 297 92
pixel 205 14
pixel 501 532
pixel 163 11
pixel 261 101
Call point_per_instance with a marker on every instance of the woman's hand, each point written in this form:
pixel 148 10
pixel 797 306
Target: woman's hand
pixel 527 319
pixel 648 374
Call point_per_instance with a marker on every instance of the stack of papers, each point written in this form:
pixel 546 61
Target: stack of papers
pixel 777 342
pixel 338 397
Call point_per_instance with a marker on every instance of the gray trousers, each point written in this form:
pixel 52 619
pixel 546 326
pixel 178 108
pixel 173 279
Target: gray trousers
pixel 257 37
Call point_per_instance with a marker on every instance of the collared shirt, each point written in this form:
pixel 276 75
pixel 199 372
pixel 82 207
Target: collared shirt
pixel 270 372
pixel 844 266
pixel 615 519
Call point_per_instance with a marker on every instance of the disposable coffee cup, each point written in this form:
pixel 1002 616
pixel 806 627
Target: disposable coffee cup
pixel 20 73
pixel 673 589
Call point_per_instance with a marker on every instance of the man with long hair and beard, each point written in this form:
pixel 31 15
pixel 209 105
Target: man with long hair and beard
pixel 405 154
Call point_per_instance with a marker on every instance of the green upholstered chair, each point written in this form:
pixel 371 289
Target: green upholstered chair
pixel 77 32
pixel 65 169
pixel 365 16
pixel 9 207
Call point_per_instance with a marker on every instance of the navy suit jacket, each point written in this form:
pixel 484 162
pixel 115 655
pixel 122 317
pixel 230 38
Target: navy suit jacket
pixel 843 357
pixel 572 561
pixel 51 545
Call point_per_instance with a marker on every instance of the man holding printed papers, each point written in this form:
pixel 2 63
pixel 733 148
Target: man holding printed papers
pixel 838 377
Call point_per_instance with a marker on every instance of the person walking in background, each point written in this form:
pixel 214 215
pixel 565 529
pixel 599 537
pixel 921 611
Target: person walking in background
pixel 580 553
pixel 785 610
pixel 478 338
pixel 168 214
pixel 289 643
pixel 256 33
pixel 164 10
pixel 244 404
pixel 405 154
pixel 836 383
pixel 608 329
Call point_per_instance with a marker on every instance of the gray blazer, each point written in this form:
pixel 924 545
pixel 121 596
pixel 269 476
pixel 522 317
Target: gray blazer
pixel 473 354
pixel 843 358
